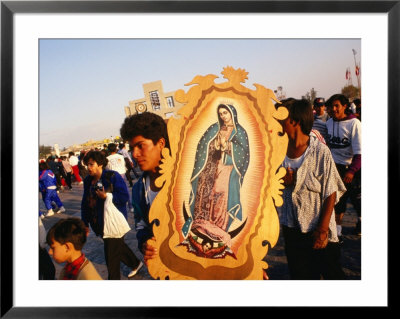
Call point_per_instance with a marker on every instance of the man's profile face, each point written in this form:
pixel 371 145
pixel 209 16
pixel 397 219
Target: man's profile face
pixel 58 251
pixel 146 153
pixel 288 127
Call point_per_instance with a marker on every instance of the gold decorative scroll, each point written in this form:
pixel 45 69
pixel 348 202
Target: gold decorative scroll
pixel 260 188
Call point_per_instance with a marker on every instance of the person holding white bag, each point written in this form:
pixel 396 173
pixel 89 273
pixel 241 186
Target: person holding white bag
pixel 103 207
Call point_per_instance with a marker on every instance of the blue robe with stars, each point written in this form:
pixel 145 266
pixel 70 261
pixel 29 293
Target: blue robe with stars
pixel 239 158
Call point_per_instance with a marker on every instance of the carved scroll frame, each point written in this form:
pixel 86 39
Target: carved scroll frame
pixel 173 260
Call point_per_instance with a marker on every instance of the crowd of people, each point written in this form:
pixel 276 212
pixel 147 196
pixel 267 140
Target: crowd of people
pixel 323 171
pixel 106 171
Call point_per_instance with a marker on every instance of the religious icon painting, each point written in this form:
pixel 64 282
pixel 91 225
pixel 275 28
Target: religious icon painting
pixel 215 217
pixel 214 207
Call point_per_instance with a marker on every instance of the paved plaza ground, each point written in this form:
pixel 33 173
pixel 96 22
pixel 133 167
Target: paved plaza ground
pixel 276 259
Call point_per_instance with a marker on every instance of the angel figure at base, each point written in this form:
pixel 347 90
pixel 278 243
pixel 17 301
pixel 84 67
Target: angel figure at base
pixel 221 162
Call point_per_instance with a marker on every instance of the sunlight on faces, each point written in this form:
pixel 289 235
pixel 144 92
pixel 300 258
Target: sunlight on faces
pixel 288 127
pixel 146 153
pixel 338 110
pixel 59 252
pixel 93 168
pixel 354 293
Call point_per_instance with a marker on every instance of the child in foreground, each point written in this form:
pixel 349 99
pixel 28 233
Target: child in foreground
pixel 66 239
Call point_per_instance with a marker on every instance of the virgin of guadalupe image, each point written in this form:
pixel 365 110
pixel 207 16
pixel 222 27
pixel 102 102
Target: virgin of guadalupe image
pixel 221 161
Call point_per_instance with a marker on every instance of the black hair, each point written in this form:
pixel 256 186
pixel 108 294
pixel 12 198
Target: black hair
pixel 149 125
pixel 121 146
pixel 338 97
pixel 43 166
pixel 71 230
pixel 223 106
pixel 342 99
pixel 96 156
pixel 112 147
pixel 104 151
pixel 284 102
pixel 301 112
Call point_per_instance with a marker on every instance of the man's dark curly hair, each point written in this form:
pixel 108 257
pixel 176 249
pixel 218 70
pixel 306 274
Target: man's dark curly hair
pixel 148 125
pixel 72 230
pixel 96 156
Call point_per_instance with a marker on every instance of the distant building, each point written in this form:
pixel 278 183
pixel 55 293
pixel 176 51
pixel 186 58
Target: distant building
pixel 155 100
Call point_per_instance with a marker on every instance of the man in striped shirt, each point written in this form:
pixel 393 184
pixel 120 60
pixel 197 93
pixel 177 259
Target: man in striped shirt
pixel 320 116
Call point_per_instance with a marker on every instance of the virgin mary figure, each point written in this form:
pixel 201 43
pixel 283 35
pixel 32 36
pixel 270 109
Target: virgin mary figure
pixel 221 162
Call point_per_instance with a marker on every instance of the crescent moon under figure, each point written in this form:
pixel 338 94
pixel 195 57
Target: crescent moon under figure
pixel 221 162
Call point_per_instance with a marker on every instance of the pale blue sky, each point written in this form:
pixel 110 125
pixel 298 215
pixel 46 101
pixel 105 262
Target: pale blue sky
pixel 85 84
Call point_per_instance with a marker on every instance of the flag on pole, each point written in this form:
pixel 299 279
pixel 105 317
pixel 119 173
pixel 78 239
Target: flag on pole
pixel 357 70
pixel 347 73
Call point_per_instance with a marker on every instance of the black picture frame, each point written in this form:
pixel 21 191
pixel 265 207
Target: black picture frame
pixel 9 8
